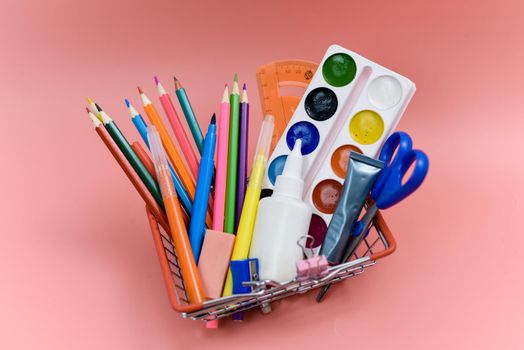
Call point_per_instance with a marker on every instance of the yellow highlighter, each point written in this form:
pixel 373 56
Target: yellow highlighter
pixel 249 210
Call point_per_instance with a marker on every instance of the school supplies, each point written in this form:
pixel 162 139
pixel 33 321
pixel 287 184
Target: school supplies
pixel 273 78
pixel 178 128
pixel 190 115
pixel 126 149
pixel 178 231
pixel 242 154
pixel 232 159
pixel 351 103
pixel 249 211
pixel 391 186
pixel 197 226
pixel 170 148
pixel 148 162
pixel 218 245
pixel 361 89
pixel 361 175
pixel 137 182
pixel 281 220
pixel 141 126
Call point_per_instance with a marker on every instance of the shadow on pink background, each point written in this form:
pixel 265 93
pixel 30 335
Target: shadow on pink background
pixel 78 267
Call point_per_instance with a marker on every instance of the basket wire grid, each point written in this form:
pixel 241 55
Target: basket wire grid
pixel 377 244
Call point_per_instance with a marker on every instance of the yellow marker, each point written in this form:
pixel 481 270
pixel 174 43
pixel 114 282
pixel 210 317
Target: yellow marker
pixel 249 210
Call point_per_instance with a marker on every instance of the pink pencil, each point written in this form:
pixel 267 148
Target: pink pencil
pixel 221 174
pixel 178 128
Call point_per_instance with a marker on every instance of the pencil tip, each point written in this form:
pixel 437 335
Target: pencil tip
pixel 156 80
pixel 244 86
pixel 225 86
pixel 98 107
pixel 175 79
pixel 127 103
pixel 235 79
pixel 88 110
pixel 213 119
pixel 140 90
pixel 89 100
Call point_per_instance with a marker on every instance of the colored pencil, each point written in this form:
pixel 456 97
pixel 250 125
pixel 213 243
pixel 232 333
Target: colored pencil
pixel 130 172
pixel 197 229
pixel 93 108
pixel 148 162
pixel 242 154
pixel 141 126
pixel 169 146
pixel 178 231
pixel 125 147
pixel 178 128
pixel 190 115
pixel 138 121
pixel 221 173
pixel 232 161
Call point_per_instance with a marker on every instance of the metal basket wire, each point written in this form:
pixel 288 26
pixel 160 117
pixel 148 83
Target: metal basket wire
pixel 378 244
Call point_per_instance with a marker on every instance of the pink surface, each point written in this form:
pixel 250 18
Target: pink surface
pixel 78 265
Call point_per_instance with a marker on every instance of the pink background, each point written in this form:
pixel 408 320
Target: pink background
pixel 78 267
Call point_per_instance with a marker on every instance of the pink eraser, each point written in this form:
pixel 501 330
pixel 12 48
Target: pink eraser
pixel 214 261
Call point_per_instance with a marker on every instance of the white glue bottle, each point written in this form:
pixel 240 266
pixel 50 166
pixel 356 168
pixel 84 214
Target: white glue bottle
pixel 282 220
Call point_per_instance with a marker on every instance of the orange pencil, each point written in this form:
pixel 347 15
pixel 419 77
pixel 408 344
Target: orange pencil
pixel 144 158
pixel 130 172
pixel 169 146
pixel 188 267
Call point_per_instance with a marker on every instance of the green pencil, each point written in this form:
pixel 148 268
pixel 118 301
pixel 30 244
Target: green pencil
pixel 125 147
pixel 190 115
pixel 232 159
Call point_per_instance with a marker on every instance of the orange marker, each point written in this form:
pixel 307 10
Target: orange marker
pixel 169 146
pixel 179 235
pixel 144 158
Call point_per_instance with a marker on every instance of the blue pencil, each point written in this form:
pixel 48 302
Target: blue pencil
pixel 197 225
pixel 141 126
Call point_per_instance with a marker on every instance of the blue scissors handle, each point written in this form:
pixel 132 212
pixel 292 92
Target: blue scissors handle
pixel 389 189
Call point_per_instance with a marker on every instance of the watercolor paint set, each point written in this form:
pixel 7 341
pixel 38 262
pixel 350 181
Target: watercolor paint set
pixel 307 216
pixel 351 104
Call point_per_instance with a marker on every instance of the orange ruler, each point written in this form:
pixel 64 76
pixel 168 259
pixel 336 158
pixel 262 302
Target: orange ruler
pixel 274 76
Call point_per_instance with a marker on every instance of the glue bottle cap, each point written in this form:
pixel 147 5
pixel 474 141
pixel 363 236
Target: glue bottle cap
pixel 290 182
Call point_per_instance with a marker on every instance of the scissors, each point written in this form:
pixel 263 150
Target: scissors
pixel 390 187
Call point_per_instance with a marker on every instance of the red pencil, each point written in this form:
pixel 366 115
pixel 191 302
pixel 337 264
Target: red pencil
pixel 130 172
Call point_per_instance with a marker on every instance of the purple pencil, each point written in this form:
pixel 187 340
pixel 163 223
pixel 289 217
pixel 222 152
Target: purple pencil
pixel 242 155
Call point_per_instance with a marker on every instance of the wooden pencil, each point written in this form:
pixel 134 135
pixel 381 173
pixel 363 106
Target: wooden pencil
pixel 169 146
pixel 151 203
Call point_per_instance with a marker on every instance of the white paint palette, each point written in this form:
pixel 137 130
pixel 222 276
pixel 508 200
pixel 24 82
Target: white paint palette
pixel 351 104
